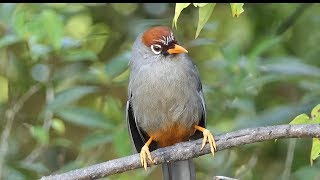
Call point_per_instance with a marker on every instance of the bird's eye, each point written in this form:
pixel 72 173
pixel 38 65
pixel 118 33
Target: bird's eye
pixel 156 48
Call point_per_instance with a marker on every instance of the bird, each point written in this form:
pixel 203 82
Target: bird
pixel 166 102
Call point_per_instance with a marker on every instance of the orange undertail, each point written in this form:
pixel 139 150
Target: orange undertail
pixel 172 133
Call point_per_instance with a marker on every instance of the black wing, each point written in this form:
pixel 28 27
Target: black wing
pixel 202 121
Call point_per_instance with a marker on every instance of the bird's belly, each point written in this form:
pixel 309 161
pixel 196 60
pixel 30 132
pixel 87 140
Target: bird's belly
pixel 167 116
pixel 166 105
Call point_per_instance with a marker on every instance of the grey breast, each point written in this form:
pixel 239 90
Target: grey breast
pixel 166 91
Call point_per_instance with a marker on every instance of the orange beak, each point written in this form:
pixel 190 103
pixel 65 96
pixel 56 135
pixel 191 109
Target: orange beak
pixel 177 49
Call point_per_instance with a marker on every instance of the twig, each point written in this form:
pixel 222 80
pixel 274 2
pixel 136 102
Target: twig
pixel 292 19
pixel 289 159
pixel 46 126
pixel 9 118
pixel 186 150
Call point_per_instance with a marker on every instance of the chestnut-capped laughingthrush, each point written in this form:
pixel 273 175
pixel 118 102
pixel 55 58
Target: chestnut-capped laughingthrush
pixel 165 100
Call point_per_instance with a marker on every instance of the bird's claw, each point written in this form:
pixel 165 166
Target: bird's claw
pixel 144 154
pixel 208 136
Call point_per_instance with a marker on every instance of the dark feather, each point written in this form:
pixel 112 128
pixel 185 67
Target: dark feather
pixel 198 134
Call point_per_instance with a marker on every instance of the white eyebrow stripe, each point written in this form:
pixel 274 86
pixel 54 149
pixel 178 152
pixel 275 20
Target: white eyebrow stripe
pixel 161 41
pixel 166 40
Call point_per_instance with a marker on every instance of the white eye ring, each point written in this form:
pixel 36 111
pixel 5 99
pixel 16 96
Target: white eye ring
pixel 156 48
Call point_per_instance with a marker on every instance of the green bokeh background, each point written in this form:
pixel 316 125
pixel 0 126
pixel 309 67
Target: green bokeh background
pixel 77 56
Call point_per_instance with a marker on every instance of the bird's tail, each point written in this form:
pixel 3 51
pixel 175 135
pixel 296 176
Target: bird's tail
pixel 179 170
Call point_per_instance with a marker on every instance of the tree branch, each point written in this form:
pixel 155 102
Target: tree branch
pixel 186 150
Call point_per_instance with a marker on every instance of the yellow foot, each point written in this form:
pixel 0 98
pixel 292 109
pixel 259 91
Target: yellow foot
pixel 207 136
pixel 145 153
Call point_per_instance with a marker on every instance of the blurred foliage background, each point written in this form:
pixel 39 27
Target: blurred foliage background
pixel 64 74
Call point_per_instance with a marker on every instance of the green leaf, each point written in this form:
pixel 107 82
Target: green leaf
pixel 236 9
pixel 113 110
pixel 304 119
pixel 117 65
pixel 290 66
pixel 52 25
pixel 121 141
pixel 199 4
pixel 40 134
pixel 301 119
pixel 263 46
pixel 78 26
pixel 69 96
pixel 58 126
pixel 84 117
pixel 178 9
pixel 315 113
pixel 123 77
pixel 27 23
pixel 96 139
pixel 98 37
pixel 20 19
pixel 204 15
pixel 315 150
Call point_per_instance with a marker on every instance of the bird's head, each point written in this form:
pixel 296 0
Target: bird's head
pixel 160 40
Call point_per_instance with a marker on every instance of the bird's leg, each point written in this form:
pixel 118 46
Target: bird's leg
pixel 145 153
pixel 207 135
